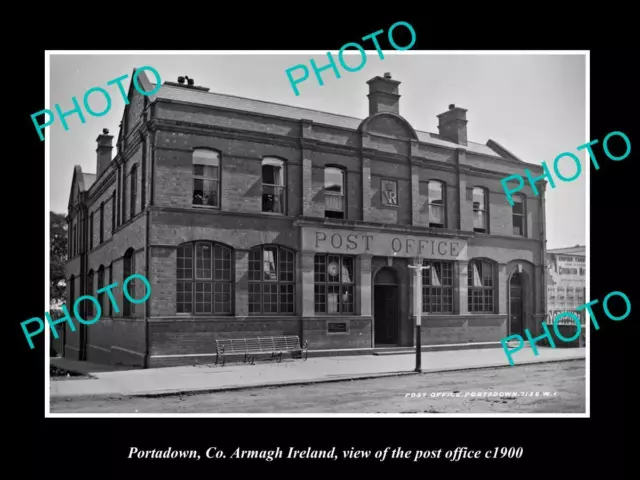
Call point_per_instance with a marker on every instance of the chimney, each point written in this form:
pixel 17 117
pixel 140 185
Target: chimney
pixel 383 95
pixel 104 151
pixel 452 125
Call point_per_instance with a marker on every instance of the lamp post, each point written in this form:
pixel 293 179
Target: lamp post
pixel 417 307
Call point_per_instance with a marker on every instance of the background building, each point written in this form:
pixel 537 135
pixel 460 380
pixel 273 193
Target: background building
pixel 251 218
pixel 566 284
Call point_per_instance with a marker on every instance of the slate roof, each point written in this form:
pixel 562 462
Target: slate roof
pixel 169 92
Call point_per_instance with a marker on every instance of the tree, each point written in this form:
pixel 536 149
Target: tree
pixel 58 259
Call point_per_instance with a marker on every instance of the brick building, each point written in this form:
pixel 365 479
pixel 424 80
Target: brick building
pixel 252 218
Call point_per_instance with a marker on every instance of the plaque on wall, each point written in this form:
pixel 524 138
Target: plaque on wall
pixel 389 193
pixel 337 327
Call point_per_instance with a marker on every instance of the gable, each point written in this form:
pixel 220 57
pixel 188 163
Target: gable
pixel 388 125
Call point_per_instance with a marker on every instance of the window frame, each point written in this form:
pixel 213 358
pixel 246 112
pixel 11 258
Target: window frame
pixel 473 290
pixel 193 279
pixel 217 180
pixel 113 212
pixel 522 215
pixel 443 187
pixel 101 223
pixel 343 194
pixel 440 290
pixel 282 253
pixel 91 231
pixel 340 284
pixel 133 193
pixel 275 161
pixel 484 208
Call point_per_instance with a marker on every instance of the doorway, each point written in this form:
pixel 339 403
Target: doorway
pixel 385 308
pixel 516 305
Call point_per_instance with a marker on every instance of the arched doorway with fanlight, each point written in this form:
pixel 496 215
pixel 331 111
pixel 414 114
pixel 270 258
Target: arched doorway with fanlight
pixel 386 309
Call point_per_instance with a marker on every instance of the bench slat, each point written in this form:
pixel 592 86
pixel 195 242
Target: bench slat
pixel 266 343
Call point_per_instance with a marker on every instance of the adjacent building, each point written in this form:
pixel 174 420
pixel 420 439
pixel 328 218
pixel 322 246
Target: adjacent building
pixel 566 282
pixel 251 218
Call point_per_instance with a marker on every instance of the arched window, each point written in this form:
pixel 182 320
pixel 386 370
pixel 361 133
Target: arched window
pixel 128 269
pixel 480 210
pixel 101 222
pixel 273 186
pixel 100 285
pixel 334 190
pixel 206 178
pixel 72 252
pixel 134 191
pixel 113 212
pixel 90 291
pixel 91 231
pixel 436 204
pixel 480 284
pixel 519 215
pixel 271 280
pixel 205 279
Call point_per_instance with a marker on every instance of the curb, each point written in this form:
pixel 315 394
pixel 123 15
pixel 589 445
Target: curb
pixel 204 391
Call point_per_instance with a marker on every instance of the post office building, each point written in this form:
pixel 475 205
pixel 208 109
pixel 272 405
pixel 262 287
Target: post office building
pixel 252 218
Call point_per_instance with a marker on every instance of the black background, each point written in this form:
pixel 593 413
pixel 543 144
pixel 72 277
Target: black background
pixel 98 447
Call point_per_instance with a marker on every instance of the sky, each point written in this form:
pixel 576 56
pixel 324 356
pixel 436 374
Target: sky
pixel 532 104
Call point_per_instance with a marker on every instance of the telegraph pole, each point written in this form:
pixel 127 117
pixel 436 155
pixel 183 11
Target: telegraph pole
pixel 417 307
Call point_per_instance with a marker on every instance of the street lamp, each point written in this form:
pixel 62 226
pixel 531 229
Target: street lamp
pixel 417 267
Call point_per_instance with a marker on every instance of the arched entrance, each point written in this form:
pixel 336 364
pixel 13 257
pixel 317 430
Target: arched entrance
pixel 516 304
pixel 385 307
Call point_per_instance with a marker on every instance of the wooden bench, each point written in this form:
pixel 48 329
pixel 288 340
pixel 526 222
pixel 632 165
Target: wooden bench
pixel 275 347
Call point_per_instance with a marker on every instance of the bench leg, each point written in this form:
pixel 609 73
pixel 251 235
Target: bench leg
pixel 279 357
pixel 306 349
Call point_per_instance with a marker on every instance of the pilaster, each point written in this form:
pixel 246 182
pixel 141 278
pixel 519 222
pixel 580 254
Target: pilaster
pixel 307 283
pixel 503 289
pixel 461 287
pixel 363 286
pixel 242 283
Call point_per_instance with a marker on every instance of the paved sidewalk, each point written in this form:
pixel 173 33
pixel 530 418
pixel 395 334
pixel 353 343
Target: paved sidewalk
pixel 209 378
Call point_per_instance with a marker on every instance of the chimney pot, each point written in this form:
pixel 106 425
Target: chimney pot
pixel 105 131
pixel 452 125
pixel 180 79
pixel 191 81
pixel 383 95
pixel 103 151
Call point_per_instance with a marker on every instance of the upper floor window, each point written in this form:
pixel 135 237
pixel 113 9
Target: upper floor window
pixel 102 222
pixel 480 217
pixel 480 293
pixel 519 215
pixel 271 280
pixel 206 178
pixel 123 199
pixel 91 231
pixel 436 204
pixel 205 279
pixel 113 212
pixel 273 186
pixel 334 189
pixel 134 191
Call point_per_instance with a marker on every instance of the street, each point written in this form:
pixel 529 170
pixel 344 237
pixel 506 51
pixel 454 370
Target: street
pixel 564 380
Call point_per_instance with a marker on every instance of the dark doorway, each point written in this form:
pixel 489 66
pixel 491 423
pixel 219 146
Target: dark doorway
pixel 516 305
pixel 385 308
